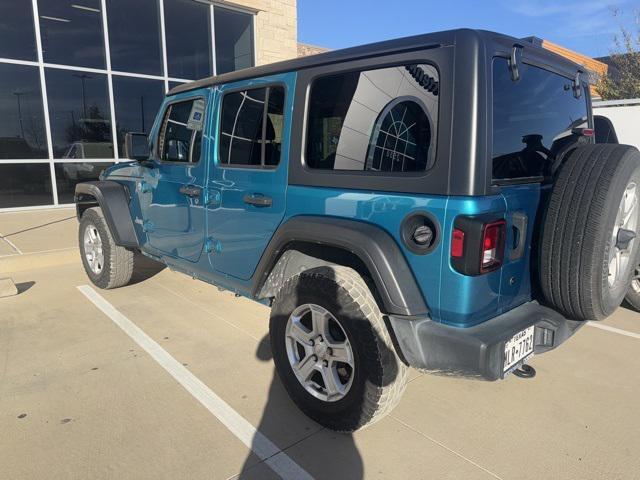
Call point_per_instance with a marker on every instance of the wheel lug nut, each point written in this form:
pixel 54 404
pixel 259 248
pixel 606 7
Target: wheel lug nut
pixel 329 351
pixel 314 358
pixel 325 363
pixel 320 338
pixel 312 342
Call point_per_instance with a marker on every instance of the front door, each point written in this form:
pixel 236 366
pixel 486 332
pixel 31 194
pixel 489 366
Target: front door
pixel 172 191
pixel 247 185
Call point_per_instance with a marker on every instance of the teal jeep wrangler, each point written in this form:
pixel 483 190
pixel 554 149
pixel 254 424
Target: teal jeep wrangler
pixel 436 201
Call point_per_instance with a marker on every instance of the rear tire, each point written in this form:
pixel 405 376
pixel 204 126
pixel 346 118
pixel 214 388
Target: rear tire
pixel 585 262
pixel 107 265
pixel 373 385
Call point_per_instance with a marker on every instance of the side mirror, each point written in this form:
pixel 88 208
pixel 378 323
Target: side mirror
pixel 136 146
pixel 515 61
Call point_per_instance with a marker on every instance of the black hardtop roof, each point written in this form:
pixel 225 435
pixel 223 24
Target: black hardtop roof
pixel 416 42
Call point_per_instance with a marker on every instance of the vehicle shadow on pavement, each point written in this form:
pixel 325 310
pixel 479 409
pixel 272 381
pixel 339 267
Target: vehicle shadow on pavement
pixel 145 268
pixel 279 412
pixel 321 450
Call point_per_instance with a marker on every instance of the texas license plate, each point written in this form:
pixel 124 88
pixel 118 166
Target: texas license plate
pixel 519 347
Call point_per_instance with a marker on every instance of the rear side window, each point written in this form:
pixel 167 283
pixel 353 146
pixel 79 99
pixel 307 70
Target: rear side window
pixel 180 138
pixel 533 119
pixel 251 127
pixel 382 120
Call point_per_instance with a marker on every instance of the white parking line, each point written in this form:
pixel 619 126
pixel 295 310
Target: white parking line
pixel 11 244
pixel 619 331
pixel 264 448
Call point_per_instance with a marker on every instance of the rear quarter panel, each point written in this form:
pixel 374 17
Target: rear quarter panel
pixel 451 297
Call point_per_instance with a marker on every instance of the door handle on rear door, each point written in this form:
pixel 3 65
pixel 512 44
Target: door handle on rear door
pixel 190 190
pixel 257 200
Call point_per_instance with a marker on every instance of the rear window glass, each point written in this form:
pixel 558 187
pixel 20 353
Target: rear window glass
pixel 533 119
pixel 251 127
pixel 382 120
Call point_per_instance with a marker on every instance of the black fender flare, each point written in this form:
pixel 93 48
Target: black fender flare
pixel 393 278
pixel 113 198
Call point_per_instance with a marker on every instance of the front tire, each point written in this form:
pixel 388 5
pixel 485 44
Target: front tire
pixel 107 265
pixel 333 351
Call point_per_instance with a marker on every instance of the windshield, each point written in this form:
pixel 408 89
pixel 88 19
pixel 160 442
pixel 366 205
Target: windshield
pixel 533 119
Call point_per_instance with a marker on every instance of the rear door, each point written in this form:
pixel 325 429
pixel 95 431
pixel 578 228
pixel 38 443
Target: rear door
pixel 534 120
pixel 248 180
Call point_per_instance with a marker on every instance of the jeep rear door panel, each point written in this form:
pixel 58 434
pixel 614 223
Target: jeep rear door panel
pixel 248 175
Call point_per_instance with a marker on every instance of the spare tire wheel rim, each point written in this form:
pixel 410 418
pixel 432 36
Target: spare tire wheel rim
pixel 319 352
pixel 93 248
pixel 623 236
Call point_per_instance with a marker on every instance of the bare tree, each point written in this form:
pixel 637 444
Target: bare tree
pixel 624 82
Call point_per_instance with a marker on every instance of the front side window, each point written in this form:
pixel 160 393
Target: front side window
pixel 251 127
pixel 180 137
pixel 382 120
pixel 533 120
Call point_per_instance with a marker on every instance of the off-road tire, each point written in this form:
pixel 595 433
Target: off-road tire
pixel 380 377
pixel 577 229
pixel 118 261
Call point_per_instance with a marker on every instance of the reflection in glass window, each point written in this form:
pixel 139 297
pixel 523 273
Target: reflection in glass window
pixel 245 138
pixel 375 120
pixel 401 138
pixel 234 40
pixel 22 132
pixel 137 101
pixel 70 174
pixel 188 36
pixel 180 138
pixel 533 119
pixel 72 32
pixel 17 37
pixel 79 114
pixel 25 185
pixel 134 36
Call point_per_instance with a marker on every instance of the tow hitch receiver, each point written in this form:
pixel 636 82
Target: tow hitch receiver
pixel 525 371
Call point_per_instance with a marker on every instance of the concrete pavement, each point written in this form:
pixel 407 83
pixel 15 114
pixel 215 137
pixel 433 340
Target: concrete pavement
pixel 80 399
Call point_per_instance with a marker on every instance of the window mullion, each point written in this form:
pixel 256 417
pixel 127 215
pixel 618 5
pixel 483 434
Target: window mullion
pixel 265 110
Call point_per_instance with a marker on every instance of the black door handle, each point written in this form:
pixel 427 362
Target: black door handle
pixel 190 190
pixel 257 200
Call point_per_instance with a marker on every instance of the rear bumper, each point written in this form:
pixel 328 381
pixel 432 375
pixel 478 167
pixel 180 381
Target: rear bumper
pixel 477 351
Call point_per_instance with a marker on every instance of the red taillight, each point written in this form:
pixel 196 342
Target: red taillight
pixel 584 132
pixel 457 243
pixel 492 246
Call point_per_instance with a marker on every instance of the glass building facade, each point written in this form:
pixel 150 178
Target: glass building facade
pixel 76 75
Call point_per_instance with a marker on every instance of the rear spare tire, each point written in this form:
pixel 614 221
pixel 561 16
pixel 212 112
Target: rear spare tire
pixel 588 246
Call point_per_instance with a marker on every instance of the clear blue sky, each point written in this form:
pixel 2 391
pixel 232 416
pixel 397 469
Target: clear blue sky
pixel 586 26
